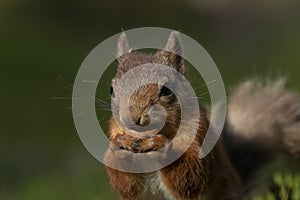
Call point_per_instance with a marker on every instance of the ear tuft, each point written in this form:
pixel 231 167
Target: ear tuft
pixel 123 45
pixel 174 43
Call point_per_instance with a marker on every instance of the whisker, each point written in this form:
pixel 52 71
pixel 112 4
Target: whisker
pixel 65 98
pixel 90 81
pixel 103 109
pixel 108 110
pixel 101 104
pixel 101 101
pixel 66 83
pixel 205 84
pixel 89 68
pixel 90 111
pixel 200 97
pixel 204 93
pixel 103 118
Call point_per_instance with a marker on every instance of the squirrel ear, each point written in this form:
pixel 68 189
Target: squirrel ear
pixel 171 55
pixel 123 46
pixel 174 43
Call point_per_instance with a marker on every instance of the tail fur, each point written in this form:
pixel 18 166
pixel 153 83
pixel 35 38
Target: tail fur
pixel 263 118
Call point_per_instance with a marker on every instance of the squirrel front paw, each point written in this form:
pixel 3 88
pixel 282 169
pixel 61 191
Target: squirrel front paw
pixel 140 145
pixel 153 143
pixel 123 141
pixel 136 151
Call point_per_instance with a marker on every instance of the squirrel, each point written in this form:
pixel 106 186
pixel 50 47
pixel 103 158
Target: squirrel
pixel 262 119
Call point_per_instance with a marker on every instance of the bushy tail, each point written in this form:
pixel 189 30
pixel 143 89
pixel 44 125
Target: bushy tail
pixel 262 118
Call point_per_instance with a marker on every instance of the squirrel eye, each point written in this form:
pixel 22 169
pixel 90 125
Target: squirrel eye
pixel 164 91
pixel 112 94
pixel 297 118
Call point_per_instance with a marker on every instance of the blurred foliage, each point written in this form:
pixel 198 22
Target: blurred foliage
pixel 286 187
pixel 41 156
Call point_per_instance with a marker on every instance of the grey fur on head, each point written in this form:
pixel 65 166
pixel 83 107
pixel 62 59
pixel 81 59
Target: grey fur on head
pixel 265 113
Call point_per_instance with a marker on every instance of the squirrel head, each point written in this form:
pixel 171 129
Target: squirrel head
pixel 145 100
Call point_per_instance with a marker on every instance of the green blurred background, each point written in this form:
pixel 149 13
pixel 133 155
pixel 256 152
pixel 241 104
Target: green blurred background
pixel 41 156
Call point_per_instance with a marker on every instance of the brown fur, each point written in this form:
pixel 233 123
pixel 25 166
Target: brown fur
pixel 189 177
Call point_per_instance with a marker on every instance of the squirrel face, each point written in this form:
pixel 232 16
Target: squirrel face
pixel 146 102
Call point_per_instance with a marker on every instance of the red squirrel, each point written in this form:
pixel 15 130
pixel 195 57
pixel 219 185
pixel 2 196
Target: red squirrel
pixel 189 177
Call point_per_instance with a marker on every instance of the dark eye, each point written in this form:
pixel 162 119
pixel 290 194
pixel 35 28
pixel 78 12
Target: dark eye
pixel 112 94
pixel 164 91
pixel 297 118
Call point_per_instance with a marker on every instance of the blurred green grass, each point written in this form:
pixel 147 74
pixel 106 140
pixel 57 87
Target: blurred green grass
pixel 41 156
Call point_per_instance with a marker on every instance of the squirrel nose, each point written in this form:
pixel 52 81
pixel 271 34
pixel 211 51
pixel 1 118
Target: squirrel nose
pixel 143 120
